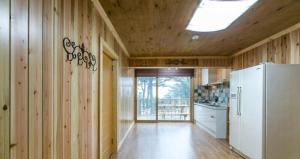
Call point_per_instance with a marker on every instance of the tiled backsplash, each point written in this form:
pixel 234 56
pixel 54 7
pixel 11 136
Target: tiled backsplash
pixel 219 93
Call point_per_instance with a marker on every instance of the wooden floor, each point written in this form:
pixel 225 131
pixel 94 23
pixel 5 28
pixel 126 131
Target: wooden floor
pixel 173 141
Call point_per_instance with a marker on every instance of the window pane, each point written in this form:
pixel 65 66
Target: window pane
pixel 146 98
pixel 174 98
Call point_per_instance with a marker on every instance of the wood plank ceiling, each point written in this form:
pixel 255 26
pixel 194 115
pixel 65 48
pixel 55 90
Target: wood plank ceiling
pixel 157 27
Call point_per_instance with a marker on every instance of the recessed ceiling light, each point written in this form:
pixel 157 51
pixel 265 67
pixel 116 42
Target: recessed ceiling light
pixel 215 15
pixel 195 37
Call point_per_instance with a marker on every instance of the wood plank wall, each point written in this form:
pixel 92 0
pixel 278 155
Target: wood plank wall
pixel 222 62
pixel 126 96
pixel 281 50
pixel 197 77
pixel 53 104
pixel 4 78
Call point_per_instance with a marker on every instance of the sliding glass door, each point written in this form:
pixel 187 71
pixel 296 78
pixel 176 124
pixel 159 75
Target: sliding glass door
pixel 146 98
pixel 163 98
pixel 174 98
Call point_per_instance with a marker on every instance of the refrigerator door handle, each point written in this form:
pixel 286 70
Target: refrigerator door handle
pixel 240 101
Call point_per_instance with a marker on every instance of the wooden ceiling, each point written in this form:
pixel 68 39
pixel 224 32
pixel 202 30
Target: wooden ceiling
pixel 157 27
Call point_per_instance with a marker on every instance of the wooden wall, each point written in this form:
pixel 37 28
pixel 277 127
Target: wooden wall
pixel 197 77
pixel 4 78
pixel 222 62
pixel 53 104
pixel 280 50
pixel 126 90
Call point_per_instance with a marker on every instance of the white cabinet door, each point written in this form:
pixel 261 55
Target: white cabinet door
pixel 234 118
pixel 205 77
pixel 196 113
pixel 211 120
pixel 203 116
pixel 221 123
pixel 252 112
pixel 207 119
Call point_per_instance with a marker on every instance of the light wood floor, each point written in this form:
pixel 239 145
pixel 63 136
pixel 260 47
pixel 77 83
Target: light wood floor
pixel 173 141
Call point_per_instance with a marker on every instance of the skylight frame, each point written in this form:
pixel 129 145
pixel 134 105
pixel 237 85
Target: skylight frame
pixel 205 19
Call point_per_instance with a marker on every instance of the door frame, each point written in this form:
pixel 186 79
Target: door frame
pixel 107 50
pixel 156 104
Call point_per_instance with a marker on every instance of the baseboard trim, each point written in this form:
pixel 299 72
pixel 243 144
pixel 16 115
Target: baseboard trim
pixel 233 149
pixel 120 144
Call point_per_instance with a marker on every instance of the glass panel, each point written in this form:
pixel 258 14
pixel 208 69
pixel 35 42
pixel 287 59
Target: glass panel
pixel 146 98
pixel 174 98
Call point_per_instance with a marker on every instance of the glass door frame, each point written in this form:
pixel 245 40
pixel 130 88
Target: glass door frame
pixel 156 103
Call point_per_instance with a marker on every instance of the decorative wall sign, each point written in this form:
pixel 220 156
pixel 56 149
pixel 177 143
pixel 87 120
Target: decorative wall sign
pixel 176 62
pixel 80 53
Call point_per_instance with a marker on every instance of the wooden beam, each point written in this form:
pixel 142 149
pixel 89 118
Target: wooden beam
pixel 109 25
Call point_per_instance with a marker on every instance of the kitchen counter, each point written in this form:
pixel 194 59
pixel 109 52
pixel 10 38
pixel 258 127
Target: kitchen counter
pixel 215 107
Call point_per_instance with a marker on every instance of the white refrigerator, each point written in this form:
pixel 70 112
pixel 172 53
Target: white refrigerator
pixel 265 111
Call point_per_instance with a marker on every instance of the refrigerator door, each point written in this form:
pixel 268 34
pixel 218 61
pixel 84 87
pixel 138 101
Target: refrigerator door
pixel 234 118
pixel 282 111
pixel 252 110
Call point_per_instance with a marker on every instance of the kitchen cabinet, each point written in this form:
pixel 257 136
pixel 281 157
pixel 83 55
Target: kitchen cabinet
pixel 211 76
pixel 197 77
pixel 223 75
pixel 212 119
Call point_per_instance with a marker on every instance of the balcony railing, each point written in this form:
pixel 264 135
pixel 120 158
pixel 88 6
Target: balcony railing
pixel 168 109
pixel 174 102
pixel 174 109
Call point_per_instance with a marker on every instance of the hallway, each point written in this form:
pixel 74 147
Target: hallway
pixel 126 79
pixel 173 141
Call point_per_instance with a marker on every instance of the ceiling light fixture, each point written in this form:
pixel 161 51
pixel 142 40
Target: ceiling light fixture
pixel 215 15
pixel 195 37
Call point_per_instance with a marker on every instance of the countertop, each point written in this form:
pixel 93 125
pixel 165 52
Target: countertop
pixel 215 107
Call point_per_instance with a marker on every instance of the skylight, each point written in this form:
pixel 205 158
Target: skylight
pixel 215 15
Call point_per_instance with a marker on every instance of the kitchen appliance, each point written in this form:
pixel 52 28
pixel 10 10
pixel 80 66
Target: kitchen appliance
pixel 265 111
